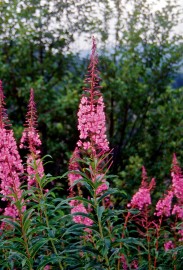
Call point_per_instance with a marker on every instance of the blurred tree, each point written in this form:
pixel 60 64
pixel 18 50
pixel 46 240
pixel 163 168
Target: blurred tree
pixel 136 76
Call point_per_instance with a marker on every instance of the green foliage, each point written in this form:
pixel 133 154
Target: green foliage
pixel 140 55
pixel 46 235
pixel 141 106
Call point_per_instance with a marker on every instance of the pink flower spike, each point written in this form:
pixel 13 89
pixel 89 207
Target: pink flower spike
pixel 79 207
pixel 142 197
pixel 10 162
pixel 163 206
pixel 91 116
pixel 11 168
pixel 30 134
pixel 30 139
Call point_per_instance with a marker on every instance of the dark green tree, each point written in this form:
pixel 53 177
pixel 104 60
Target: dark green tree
pixel 137 75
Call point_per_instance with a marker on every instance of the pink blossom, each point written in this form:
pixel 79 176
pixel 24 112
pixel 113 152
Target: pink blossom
pixel 91 116
pixel 34 167
pixel 10 165
pixel 11 211
pixel 11 168
pixel 142 197
pixel 79 207
pixel 91 124
pixel 92 142
pixel 30 134
pixel 168 245
pixel 178 210
pixel 163 206
pixel 30 139
pixel 103 186
pixel 74 174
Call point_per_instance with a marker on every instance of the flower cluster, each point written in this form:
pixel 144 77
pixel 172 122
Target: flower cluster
pixel 142 197
pixel 91 124
pixel 91 116
pixel 163 206
pixel 92 142
pixel 10 164
pixel 79 207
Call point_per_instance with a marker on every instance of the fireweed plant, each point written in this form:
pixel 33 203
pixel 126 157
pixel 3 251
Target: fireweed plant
pixel 39 230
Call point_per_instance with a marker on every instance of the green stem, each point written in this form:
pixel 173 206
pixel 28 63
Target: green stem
pixel 123 235
pixel 24 237
pixel 101 233
pixel 48 225
pixel 20 216
pixel 148 238
pixel 53 245
pixel 157 240
pixel 45 213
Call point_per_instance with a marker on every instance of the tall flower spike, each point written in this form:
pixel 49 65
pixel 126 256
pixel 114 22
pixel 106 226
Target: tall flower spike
pixel 30 138
pixel 91 121
pixel 11 167
pixel 91 116
pixel 93 141
pixel 30 134
pixel 142 197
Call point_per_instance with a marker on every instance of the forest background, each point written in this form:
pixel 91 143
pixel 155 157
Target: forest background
pixel 140 60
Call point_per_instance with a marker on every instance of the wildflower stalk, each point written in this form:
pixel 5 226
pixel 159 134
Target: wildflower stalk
pixel 42 197
pixel 51 240
pixel 148 237
pixel 123 235
pixel 19 208
pixel 100 229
